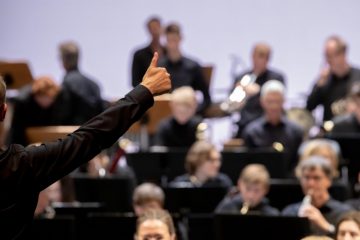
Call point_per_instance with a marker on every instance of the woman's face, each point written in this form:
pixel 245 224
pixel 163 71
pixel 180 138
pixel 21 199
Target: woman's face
pixel 348 230
pixel 211 166
pixel 153 229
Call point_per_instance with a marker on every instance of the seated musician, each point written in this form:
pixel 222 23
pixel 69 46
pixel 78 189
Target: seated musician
pixel 315 175
pixel 253 185
pixel 180 129
pixel 274 128
pixel 202 164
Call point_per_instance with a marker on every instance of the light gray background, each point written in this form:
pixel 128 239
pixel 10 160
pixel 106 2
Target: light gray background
pixel 215 32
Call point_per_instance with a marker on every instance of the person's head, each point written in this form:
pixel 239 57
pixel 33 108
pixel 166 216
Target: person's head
pixel 335 54
pixel 326 148
pixel 154 27
pixel 203 158
pixel 315 174
pixel 45 91
pixel 69 53
pixel 261 56
pixel 253 183
pixel 173 37
pixel 183 104
pixel 155 224
pixel 272 99
pixel 348 226
pixel 3 106
pixel 147 196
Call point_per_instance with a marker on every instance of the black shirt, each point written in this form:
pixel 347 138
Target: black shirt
pixel 233 204
pixel 331 210
pixel 25 171
pixel 252 108
pixel 187 72
pixel 170 133
pixel 262 134
pixel 335 89
pixel 346 124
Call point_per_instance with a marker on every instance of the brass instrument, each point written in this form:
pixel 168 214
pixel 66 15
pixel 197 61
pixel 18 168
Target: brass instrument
pixel 238 97
pixel 245 208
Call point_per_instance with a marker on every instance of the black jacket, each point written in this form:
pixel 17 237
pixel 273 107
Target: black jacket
pixel 25 171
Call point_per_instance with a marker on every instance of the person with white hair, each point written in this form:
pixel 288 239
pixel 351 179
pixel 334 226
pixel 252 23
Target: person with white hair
pixel 315 175
pixel 274 128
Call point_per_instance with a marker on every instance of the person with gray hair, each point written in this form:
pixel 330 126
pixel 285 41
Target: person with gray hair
pixel 274 128
pixel 315 175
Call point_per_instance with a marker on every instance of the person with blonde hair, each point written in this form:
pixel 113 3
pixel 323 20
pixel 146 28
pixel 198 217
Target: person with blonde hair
pixel 326 148
pixel 180 129
pixel 252 187
pixel 202 164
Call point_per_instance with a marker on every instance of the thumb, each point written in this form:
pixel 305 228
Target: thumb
pixel 154 60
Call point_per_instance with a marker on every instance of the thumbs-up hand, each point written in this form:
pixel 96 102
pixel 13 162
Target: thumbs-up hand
pixel 156 79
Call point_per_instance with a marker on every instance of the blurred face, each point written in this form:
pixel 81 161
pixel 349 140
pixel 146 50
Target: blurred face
pixel 210 168
pixel 183 112
pixel 260 62
pixel 44 101
pixel 153 230
pixel 272 103
pixel 348 230
pixel 252 193
pixel 315 182
pixel 154 28
pixel 140 209
pixel 172 41
pixel 334 58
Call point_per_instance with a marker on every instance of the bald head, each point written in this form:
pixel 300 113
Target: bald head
pixel 69 52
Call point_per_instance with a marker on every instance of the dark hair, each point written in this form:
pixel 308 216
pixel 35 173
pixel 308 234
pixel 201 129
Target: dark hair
pixel 153 19
pixel 173 28
pixel 69 52
pixel 198 153
pixel 349 216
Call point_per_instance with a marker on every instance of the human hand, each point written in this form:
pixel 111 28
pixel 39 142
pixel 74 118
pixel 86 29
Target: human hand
pixel 156 79
pixel 252 89
pixel 324 76
pixel 315 216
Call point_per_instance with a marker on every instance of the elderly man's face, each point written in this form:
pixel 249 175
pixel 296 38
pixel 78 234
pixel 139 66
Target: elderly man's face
pixel 272 103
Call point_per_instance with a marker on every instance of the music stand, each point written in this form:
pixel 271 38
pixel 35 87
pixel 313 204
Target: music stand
pixel 234 161
pixel 193 200
pixel 15 74
pixel 236 226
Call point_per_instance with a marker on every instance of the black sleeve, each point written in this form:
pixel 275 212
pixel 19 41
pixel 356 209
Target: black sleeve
pixel 200 84
pixel 136 70
pixel 51 161
pixel 160 135
pixel 315 98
